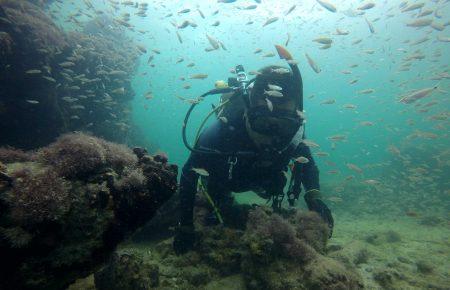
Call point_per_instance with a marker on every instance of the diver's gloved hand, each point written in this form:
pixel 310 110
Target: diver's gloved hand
pixel 322 209
pixel 184 239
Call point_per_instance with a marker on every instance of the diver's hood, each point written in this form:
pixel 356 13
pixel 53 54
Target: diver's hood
pixel 292 84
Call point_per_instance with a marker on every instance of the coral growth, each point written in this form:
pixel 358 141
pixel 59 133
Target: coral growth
pixel 128 271
pixel 272 252
pixel 66 210
pixel 10 155
pixel 37 197
pixel 271 236
pixel 78 155
pixel 285 255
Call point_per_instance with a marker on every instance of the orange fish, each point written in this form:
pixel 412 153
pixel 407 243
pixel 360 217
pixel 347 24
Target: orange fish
pixel 283 52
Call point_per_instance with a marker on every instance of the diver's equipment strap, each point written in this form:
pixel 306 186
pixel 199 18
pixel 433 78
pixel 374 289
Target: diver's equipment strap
pixel 313 194
pixel 203 190
pixel 232 160
pixel 295 141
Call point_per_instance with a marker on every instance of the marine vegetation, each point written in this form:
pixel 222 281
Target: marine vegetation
pixel 273 252
pixel 65 209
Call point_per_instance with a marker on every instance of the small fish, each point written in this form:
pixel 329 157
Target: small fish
pixel 198 76
pixel 349 106
pixel 310 143
pixel 141 48
pixel 366 91
pixel 201 13
pixel 187 10
pixel 156 51
pixel 371 28
pixel 328 102
pixel 148 96
pixel 443 38
pixel 425 13
pixel 34 102
pixel 280 70
pixel 226 1
pixel 119 91
pixel 274 87
pixel 366 6
pixel 249 7
pixel 337 138
pixel 33 72
pixel 269 105
pixel 223 119
pixel 354 167
pixel 288 39
pixel 200 171
pixel 322 154
pixel 292 61
pixel 341 32
pixel 270 21
pixel 275 94
pixel 417 95
pixel 222 45
pixel 301 160
pixel 184 24
pixel 66 64
pixel 327 5
pixel 312 64
pixel 290 10
pixel 214 43
pixel 413 7
pixel 217 23
pixel 179 37
pixel 269 54
pixel 420 22
pixel 366 123
pixel 258 50
pixel 50 79
pixel 323 40
pixel 437 26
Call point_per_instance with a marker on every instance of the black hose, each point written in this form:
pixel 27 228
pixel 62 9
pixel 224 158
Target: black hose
pixel 208 150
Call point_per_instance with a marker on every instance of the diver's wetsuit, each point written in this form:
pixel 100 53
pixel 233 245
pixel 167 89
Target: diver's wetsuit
pixel 249 173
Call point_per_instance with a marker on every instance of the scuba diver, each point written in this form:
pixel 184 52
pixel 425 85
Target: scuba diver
pixel 258 134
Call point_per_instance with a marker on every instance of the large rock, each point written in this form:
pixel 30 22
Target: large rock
pixel 66 207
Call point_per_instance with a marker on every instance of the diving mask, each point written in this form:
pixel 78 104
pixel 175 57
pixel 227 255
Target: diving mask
pixel 280 123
